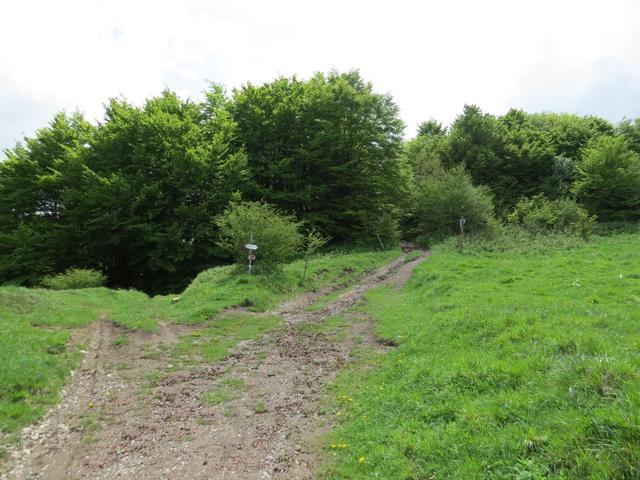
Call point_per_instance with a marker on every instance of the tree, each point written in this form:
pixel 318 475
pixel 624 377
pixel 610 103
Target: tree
pixel 519 154
pixel 325 150
pixel 161 174
pixel 134 197
pixel 609 180
pixel 431 128
pixel 630 130
pixel 312 242
pixel 36 235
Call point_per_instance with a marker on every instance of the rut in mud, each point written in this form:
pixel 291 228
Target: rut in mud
pixel 262 418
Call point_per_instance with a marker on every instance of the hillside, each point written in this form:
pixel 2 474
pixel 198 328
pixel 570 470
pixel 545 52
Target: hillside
pixel 43 330
pixel 505 360
pixel 508 365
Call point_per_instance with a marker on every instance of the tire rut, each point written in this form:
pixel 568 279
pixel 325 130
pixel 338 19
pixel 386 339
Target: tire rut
pixel 266 427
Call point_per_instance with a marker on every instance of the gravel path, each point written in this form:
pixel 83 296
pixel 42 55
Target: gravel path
pixel 110 424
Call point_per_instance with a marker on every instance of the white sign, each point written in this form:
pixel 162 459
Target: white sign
pixel 251 246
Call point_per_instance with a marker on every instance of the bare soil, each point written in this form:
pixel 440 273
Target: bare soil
pixel 264 423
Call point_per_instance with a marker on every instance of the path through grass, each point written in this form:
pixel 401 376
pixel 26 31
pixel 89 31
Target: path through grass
pixel 36 324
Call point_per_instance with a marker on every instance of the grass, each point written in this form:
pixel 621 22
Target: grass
pixel 518 365
pixel 325 300
pixel 260 408
pixel 36 356
pixel 219 288
pixel 213 342
pixel 335 326
pixel 120 340
pixel 229 389
pixel 413 255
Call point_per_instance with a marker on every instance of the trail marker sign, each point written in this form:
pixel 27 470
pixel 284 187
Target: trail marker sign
pixel 252 248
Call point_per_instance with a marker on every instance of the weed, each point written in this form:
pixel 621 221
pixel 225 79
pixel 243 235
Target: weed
pixel 120 340
pixel 412 255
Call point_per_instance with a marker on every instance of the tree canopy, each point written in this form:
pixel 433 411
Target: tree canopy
pixel 137 195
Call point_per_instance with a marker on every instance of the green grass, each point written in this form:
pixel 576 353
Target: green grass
pixel 229 389
pixel 516 365
pixel 260 408
pixel 214 341
pixel 335 325
pixel 413 255
pixel 36 323
pixel 219 288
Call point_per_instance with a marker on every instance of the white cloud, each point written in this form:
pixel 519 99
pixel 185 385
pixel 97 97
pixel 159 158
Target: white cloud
pixel 431 56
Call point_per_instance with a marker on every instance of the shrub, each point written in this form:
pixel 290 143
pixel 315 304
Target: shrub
pixel 275 233
pixel 312 242
pixel 74 278
pixel 540 214
pixel 445 197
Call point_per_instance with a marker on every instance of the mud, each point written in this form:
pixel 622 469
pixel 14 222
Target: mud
pixel 264 423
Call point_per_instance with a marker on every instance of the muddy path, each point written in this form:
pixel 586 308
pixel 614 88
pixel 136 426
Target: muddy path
pixel 253 415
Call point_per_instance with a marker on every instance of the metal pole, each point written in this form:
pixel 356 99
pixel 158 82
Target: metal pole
pixel 250 253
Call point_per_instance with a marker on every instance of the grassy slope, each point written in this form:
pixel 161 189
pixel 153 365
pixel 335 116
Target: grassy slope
pixel 36 324
pixel 508 366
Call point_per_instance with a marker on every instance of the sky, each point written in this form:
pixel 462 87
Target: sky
pixel 431 56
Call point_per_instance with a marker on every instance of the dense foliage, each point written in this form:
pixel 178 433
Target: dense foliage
pixel 443 198
pixel 276 235
pixel 137 195
pixel 609 179
pixel 325 149
pixel 540 214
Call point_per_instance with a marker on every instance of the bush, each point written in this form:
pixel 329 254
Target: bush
pixel 539 214
pixel 74 278
pixel 275 233
pixel 609 180
pixel 445 197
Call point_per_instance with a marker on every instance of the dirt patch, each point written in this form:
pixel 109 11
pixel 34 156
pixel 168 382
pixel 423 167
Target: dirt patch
pixel 254 415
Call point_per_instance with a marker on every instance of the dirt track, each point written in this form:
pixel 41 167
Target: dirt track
pixel 105 428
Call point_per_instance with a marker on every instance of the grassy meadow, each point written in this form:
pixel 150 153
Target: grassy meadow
pixel 36 356
pixel 521 364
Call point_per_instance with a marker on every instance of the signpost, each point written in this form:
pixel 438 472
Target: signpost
pixel 252 248
pixel 461 222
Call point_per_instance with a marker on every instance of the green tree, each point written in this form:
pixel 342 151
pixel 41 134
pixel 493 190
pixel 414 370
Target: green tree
pixel 431 128
pixel 519 154
pixel 630 130
pixel 36 235
pixel 609 180
pixel 325 150
pixel 134 197
pixel 161 174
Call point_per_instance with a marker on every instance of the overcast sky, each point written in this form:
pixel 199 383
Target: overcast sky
pixel 431 56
